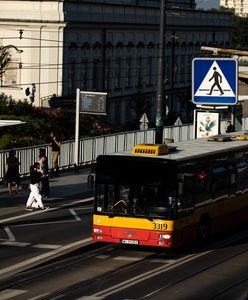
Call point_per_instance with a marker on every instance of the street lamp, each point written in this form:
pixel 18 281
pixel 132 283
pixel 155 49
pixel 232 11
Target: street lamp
pixel 160 79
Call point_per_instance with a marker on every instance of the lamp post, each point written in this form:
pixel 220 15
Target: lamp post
pixel 160 79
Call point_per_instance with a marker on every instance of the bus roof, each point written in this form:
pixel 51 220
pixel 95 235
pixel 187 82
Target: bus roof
pixel 197 148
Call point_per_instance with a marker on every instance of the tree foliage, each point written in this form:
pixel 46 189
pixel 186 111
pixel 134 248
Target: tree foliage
pixel 240 33
pixel 39 123
pixel 5 58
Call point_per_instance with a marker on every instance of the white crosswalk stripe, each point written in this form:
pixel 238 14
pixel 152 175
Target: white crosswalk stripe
pixel 10 293
pixel 47 246
pixel 14 243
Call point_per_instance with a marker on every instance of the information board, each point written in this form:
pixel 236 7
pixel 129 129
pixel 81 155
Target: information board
pixel 93 103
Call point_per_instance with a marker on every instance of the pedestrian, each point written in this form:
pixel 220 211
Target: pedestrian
pixel 12 175
pixel 32 93
pixel 44 170
pixel 56 145
pixel 230 127
pixel 35 199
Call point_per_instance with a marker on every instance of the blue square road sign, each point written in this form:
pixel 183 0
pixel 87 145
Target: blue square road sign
pixel 215 81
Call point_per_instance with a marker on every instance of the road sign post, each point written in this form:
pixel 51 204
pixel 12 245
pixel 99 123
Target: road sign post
pixel 215 81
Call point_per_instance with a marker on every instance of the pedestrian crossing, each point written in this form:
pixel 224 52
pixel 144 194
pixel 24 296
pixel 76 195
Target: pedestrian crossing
pixel 22 244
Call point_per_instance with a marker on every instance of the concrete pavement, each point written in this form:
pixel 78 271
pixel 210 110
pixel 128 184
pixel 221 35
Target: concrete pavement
pixel 69 185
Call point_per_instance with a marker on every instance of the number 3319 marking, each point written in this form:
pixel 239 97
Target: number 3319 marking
pixel 159 226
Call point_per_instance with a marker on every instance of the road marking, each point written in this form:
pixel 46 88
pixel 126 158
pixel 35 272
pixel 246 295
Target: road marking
pixel 102 256
pixel 90 298
pixel 47 246
pixel 39 296
pixel 41 211
pixel 9 233
pixel 144 276
pixel 10 293
pixel 127 258
pixel 163 261
pixel 14 243
pixel 77 218
pixel 54 222
pixel 46 255
pixel 44 223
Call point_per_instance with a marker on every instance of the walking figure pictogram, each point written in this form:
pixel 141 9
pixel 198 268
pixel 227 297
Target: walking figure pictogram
pixel 217 80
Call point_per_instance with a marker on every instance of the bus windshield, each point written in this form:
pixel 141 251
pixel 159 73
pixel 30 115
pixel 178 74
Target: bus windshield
pixel 133 188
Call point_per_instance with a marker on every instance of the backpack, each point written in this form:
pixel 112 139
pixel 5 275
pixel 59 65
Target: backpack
pixel 27 91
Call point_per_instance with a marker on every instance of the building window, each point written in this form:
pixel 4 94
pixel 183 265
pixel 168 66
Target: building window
pixel 10 75
pixel 118 78
pixel 108 75
pixel 139 67
pixel 149 70
pixel 96 74
pixel 84 75
pixel 72 76
pixel 128 75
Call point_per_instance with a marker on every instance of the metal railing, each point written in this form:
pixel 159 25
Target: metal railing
pixel 91 147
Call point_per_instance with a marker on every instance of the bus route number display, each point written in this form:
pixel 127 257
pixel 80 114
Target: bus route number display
pixel 93 103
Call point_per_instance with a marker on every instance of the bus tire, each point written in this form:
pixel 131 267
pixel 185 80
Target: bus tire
pixel 204 229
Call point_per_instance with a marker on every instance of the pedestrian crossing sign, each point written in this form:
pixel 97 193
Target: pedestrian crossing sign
pixel 215 81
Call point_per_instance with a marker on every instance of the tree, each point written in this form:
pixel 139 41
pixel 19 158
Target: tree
pixel 5 58
pixel 240 33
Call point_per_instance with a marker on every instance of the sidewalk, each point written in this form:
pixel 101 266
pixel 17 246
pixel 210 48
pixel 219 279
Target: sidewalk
pixel 69 185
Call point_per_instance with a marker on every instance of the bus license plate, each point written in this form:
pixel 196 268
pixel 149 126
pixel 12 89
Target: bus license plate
pixel 130 242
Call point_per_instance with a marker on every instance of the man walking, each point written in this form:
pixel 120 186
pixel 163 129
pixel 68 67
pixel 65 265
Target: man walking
pixel 35 199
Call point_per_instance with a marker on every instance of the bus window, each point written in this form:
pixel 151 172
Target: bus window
pixel 163 203
pixel 242 173
pixel 121 202
pixel 232 179
pixel 105 197
pixel 202 186
pixel 184 198
pixel 220 182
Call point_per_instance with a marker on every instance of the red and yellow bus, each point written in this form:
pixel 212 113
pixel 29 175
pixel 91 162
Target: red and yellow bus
pixel 169 195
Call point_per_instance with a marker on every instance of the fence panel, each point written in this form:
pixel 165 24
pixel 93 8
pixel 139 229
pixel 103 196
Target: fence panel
pixel 86 151
pixel 90 148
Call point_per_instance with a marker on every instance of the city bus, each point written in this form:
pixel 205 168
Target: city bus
pixel 169 195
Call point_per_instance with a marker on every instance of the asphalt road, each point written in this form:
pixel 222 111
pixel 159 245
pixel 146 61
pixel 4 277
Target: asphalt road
pixel 31 242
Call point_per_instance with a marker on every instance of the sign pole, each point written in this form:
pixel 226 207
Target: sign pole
pixel 76 149
pixel 160 79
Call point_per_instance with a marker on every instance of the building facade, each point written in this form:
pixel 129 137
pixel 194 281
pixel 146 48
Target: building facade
pixel 240 6
pixel 104 45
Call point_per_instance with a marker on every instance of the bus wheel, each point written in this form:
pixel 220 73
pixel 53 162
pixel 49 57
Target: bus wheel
pixel 203 230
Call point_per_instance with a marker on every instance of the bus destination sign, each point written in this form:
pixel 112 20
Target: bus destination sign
pixel 93 103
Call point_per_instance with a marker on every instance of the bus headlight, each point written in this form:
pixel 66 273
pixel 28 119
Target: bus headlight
pixel 97 230
pixel 165 236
